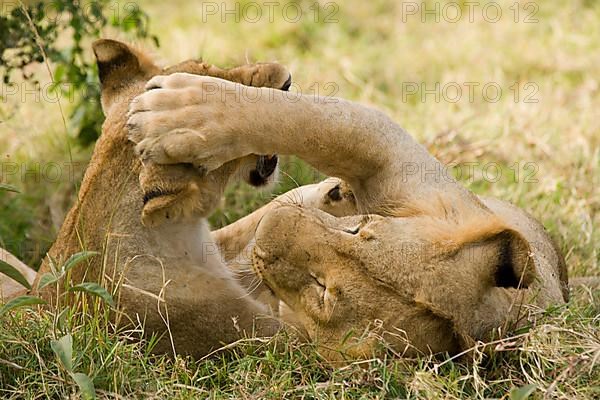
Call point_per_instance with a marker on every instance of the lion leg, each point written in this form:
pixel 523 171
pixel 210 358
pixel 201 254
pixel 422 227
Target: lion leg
pixel 381 162
pixel 195 312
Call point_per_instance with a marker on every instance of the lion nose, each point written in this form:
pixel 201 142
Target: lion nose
pixel 277 228
pixel 277 222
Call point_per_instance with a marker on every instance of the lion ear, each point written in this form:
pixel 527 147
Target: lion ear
pixel 514 267
pixel 475 302
pixel 118 67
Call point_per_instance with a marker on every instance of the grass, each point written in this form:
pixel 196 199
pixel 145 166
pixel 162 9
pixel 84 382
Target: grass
pixel 557 356
pixel 548 152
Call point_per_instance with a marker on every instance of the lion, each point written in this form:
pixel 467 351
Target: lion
pixel 424 264
pixel 165 268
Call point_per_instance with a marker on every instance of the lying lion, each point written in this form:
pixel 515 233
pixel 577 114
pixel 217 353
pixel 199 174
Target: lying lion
pixel 171 277
pixel 427 265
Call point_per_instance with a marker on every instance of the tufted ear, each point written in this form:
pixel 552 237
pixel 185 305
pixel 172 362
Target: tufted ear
pixel 119 66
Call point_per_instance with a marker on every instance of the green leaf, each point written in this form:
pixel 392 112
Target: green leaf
pixel 52 263
pixel 20 301
pixel 8 188
pixel 61 319
pixel 77 258
pixel 85 385
pixel 13 274
pixel 63 348
pixel 94 289
pixel 46 279
pixel 59 72
pixel 523 392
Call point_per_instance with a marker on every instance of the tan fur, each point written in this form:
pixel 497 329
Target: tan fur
pixel 448 221
pixel 236 241
pixel 431 268
pixel 165 267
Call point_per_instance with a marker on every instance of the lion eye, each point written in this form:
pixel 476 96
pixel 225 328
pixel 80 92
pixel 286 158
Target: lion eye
pixel 319 281
pixel 321 286
pixel 353 231
pixel 357 228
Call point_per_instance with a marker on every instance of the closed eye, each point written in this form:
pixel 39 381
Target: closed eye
pixel 319 281
pixel 322 289
pixel 355 230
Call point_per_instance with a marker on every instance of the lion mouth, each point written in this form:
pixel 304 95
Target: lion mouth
pixel 160 204
pixel 156 193
pixel 259 267
pixel 259 261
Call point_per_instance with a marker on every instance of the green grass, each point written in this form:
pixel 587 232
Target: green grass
pixel 557 356
pixel 371 55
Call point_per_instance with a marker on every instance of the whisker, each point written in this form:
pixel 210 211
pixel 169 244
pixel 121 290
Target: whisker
pixel 252 287
pixel 257 285
pixel 241 271
pixel 291 177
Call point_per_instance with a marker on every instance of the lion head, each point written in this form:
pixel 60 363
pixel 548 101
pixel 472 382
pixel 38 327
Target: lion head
pixel 425 278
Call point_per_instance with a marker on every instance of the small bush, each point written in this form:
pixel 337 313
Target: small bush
pixel 29 35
